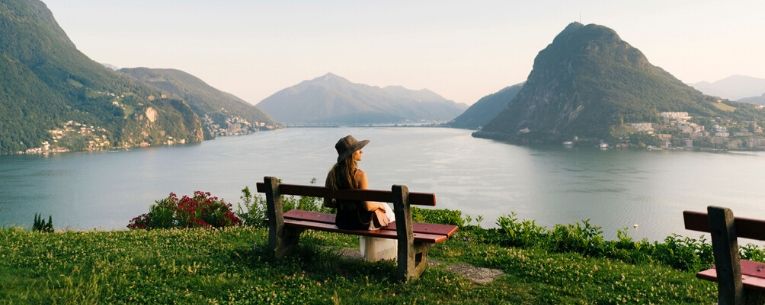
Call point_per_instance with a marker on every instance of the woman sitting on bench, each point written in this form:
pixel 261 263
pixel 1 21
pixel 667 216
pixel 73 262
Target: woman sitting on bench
pixel 352 214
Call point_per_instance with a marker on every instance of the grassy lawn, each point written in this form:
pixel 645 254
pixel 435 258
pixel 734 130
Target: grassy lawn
pixel 201 266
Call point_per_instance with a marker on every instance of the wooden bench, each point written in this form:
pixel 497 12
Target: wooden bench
pixel 414 239
pixel 738 281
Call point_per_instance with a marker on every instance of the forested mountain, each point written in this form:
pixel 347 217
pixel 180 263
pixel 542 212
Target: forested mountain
pixel 52 93
pixel 221 112
pixel 588 84
pixel 486 109
pixel 331 99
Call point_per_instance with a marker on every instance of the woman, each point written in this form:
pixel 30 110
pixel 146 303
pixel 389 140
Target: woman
pixel 353 214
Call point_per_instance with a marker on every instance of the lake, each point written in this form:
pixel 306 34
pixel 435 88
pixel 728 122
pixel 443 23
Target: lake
pixel 614 189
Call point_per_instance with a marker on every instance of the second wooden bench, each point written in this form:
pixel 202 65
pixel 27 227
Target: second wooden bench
pixel 738 281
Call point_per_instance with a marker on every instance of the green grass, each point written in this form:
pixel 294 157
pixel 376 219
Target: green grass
pixel 201 266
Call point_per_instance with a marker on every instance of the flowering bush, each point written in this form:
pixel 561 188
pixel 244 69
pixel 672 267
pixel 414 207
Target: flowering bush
pixel 201 210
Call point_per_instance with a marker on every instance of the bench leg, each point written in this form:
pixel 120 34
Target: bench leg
pixel 420 258
pixel 413 264
pixel 286 241
pixel 754 297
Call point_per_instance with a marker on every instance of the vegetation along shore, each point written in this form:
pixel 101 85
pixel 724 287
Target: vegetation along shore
pixel 565 264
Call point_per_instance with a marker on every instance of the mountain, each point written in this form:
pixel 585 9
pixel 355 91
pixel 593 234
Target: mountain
pixel 733 87
pixel 54 97
pixel 331 99
pixel 222 113
pixel 486 108
pixel 754 100
pixel 589 83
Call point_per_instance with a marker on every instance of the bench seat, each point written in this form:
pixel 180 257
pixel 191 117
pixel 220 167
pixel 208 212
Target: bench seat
pixel 752 275
pixel 423 232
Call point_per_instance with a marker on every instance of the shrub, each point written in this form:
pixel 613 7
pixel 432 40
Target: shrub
pixel 519 233
pixel 40 225
pixel 677 251
pixel 254 212
pixel 252 208
pixel 444 216
pixel 201 210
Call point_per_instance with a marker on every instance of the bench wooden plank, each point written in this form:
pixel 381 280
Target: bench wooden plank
pixel 310 215
pixel 428 228
pixel 420 237
pixel 752 275
pixel 427 199
pixel 745 227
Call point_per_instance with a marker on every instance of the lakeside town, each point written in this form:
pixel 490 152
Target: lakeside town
pixel 89 138
pixel 678 131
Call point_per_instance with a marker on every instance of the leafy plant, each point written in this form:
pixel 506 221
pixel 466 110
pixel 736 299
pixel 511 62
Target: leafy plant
pixel 254 211
pixel 444 216
pixel 40 225
pixel 201 210
pixel 677 251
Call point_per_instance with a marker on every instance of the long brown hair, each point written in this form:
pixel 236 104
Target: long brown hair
pixel 341 176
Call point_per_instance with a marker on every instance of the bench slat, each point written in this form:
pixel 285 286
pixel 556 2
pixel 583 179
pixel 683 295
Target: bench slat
pixel 752 275
pixel 427 199
pixel 420 237
pixel 745 227
pixel 429 228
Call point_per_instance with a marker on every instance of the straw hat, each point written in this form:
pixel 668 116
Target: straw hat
pixel 347 145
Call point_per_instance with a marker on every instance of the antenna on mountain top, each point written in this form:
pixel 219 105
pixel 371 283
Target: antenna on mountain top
pixel 580 17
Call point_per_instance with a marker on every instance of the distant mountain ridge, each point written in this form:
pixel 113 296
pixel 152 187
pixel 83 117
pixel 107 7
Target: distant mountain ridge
pixel 222 112
pixel 54 98
pixel 486 108
pixel 331 99
pixel 589 83
pixel 759 100
pixel 734 87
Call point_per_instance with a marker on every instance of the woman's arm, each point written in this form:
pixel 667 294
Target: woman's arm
pixel 361 176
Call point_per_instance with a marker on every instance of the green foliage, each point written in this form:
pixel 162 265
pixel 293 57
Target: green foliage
pixel 40 225
pixel 252 208
pixel 197 266
pixel 679 252
pixel 443 216
pixel 519 233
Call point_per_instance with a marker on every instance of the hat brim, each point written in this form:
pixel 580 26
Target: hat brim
pixel 358 145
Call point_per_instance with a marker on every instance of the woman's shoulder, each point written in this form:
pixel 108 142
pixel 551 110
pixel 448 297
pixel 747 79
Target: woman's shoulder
pixel 359 173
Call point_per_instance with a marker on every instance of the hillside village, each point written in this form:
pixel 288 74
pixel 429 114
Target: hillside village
pixel 233 126
pixel 677 130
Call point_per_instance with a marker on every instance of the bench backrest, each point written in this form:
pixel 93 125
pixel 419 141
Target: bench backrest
pixel 745 227
pixel 399 195
pixel 426 199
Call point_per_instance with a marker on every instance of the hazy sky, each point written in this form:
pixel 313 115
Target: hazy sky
pixel 462 50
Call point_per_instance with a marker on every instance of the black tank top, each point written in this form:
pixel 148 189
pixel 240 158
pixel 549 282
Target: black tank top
pixel 353 214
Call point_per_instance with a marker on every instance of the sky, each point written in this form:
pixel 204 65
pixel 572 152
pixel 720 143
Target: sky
pixel 462 50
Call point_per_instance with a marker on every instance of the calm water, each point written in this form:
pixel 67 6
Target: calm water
pixel 614 189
